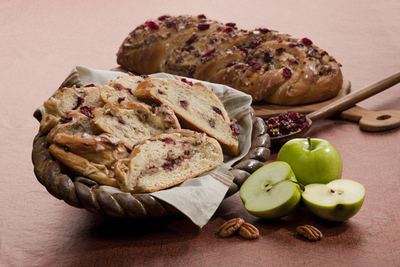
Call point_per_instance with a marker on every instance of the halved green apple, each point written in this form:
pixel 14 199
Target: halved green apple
pixel 271 192
pixel 337 201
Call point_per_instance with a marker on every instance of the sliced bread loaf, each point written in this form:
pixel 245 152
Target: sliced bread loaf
pixel 168 160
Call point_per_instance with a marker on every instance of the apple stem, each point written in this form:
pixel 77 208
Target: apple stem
pixel 301 185
pixel 309 143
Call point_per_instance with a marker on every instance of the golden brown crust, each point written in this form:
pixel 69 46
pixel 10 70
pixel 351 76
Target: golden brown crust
pixel 270 66
pixel 145 48
pixel 98 172
pixel 102 149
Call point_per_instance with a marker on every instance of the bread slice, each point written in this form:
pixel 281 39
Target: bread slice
pixel 127 83
pixel 196 106
pixel 167 160
pixel 66 99
pixel 135 124
pixel 121 90
pixel 77 133
pixel 81 166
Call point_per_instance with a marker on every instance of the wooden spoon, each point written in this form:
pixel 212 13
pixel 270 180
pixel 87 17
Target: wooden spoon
pixel 340 105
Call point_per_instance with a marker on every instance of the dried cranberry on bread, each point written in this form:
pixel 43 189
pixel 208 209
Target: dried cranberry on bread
pixel 196 106
pixel 168 160
pixel 270 66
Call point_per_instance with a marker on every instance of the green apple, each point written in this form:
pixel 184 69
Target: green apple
pixel 312 160
pixel 271 192
pixel 337 201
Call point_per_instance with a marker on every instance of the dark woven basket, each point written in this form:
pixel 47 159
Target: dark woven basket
pixel 85 193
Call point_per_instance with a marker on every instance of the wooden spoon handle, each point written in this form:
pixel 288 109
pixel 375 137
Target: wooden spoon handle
pixel 355 97
pixel 372 120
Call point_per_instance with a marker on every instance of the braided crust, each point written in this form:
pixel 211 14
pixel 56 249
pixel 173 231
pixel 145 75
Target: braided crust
pixel 270 66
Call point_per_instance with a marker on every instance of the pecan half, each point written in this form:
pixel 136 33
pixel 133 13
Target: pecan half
pixel 248 231
pixel 310 232
pixel 230 227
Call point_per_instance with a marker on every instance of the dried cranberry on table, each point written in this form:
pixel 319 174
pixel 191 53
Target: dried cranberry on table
pixel 286 123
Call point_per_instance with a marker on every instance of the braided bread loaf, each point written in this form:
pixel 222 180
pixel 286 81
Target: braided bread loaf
pixel 268 65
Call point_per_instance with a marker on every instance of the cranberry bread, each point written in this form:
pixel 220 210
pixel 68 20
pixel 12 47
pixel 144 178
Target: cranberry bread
pixel 83 167
pixel 270 66
pixel 66 99
pixel 167 160
pixel 135 124
pixel 78 134
pixel 196 106
pixel 121 91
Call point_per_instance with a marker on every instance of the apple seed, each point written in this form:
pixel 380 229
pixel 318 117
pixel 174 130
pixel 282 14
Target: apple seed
pixel 268 187
pixel 339 192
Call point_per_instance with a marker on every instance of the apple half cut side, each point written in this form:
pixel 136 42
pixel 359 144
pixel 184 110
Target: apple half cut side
pixel 271 192
pixel 337 201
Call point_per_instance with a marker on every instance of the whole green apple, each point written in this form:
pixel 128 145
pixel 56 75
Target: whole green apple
pixel 337 201
pixel 312 160
pixel 271 192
